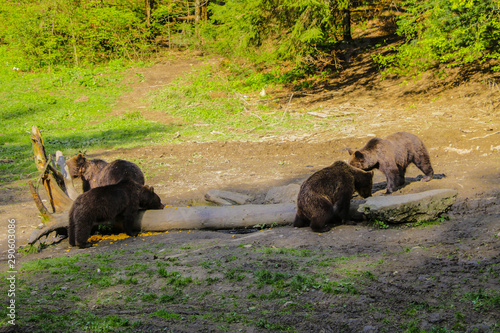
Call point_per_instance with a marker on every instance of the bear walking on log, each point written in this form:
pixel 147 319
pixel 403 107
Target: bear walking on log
pixel 119 203
pixel 98 172
pixel 392 155
pixel 325 197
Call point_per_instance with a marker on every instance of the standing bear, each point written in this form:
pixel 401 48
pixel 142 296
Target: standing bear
pixel 392 155
pixel 98 172
pixel 119 203
pixel 325 197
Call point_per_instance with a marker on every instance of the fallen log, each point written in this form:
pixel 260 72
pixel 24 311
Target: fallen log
pixel 391 209
pixel 58 223
pixel 200 217
pixel 216 217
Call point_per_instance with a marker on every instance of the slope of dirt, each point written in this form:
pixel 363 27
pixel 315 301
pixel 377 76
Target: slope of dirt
pixel 460 125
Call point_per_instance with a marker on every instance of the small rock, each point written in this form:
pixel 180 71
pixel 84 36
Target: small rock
pixel 227 198
pixel 423 206
pixel 370 329
pixel 435 317
pixel 282 194
pixel 480 328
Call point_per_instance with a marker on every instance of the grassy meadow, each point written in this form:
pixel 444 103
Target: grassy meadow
pixel 73 109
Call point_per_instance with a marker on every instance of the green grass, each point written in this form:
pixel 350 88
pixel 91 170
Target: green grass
pixel 219 105
pixel 261 288
pixel 167 315
pixel 483 299
pixel 174 278
pixel 72 107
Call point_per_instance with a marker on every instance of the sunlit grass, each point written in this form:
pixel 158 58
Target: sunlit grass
pixel 73 107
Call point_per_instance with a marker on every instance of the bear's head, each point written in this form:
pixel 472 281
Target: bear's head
pixel 148 199
pixel 364 183
pixel 359 160
pixel 76 165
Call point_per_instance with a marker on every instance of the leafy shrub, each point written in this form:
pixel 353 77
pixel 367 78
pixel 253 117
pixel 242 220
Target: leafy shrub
pixel 269 30
pixel 450 32
pixel 60 32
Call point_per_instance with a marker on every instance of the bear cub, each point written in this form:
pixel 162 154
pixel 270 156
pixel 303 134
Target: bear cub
pixel 392 155
pixel 119 203
pixel 97 172
pixel 325 197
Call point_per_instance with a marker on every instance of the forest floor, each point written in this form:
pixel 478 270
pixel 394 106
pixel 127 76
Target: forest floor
pixel 442 277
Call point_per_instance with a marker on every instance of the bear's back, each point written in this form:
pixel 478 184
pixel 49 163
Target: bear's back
pixel 119 170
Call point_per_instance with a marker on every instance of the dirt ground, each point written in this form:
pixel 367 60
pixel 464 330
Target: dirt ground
pixel 460 124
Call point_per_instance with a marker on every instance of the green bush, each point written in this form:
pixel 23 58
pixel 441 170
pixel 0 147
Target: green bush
pixel 59 32
pixel 270 30
pixel 449 32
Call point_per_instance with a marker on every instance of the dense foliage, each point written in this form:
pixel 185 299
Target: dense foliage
pixel 300 31
pixel 46 33
pixel 450 32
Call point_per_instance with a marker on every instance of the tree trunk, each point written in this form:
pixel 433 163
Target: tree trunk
pixel 204 11
pixel 149 8
pixel 201 217
pixel 216 217
pixel 197 11
pixel 347 24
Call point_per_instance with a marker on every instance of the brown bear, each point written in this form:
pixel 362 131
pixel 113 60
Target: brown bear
pixel 392 155
pixel 119 203
pixel 325 197
pixel 98 172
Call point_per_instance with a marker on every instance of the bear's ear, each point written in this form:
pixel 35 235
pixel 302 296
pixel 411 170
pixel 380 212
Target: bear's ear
pixel 149 188
pixel 80 159
pixel 350 151
pixel 359 155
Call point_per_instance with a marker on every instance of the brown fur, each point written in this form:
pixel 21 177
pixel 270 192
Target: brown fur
pixel 98 172
pixel 325 197
pixel 392 155
pixel 119 203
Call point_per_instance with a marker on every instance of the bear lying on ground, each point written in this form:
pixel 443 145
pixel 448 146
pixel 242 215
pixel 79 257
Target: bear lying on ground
pixel 119 203
pixel 98 172
pixel 392 155
pixel 325 197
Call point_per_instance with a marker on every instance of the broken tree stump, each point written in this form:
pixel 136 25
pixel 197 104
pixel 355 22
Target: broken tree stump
pixel 51 178
pixel 68 181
